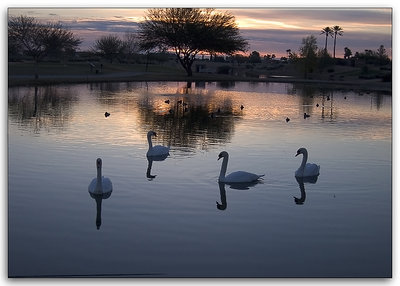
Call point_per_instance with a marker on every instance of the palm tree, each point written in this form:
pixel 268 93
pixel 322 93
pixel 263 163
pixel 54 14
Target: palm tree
pixel 337 31
pixel 328 32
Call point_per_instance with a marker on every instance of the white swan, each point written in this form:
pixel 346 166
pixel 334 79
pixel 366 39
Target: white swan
pixel 235 177
pixel 306 169
pixel 155 150
pixel 100 185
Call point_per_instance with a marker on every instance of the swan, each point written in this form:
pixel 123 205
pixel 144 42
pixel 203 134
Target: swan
pixel 100 185
pixel 235 177
pixel 155 150
pixel 306 169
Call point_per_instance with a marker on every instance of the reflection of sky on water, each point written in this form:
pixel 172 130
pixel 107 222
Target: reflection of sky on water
pixel 142 107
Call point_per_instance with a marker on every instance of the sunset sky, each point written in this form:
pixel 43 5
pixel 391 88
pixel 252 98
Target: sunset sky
pixel 268 30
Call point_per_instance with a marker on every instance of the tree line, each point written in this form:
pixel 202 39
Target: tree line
pixel 186 32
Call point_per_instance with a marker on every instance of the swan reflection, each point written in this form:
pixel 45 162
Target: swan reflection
pixel 301 181
pixel 223 205
pixel 99 198
pixel 150 160
pixel 237 186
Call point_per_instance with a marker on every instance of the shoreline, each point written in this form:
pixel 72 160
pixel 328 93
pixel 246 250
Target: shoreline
pixel 28 80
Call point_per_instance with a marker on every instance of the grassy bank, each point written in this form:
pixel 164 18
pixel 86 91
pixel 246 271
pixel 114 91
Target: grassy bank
pixel 81 72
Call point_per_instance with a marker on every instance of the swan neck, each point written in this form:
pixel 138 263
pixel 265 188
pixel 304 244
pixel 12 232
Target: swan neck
pixel 224 166
pixel 304 161
pixel 149 140
pixel 99 180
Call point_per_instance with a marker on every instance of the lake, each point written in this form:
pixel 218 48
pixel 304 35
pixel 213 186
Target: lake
pixel 169 217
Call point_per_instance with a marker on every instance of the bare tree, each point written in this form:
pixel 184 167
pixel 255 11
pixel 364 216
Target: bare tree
pixel 58 40
pixel 109 46
pixel 38 40
pixel 130 44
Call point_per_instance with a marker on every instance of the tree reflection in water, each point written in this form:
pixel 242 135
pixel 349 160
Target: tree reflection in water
pixel 44 107
pixel 194 123
pixel 190 119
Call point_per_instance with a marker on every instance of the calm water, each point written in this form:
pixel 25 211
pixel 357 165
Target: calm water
pixel 182 223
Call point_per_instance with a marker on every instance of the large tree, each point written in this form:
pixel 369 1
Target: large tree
pixel 336 31
pixel 188 31
pixel 38 40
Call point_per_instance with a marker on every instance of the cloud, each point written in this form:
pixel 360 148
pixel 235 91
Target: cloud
pixel 340 16
pixel 102 25
pixel 268 30
pixel 278 41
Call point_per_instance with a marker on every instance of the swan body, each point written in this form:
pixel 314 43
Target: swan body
pixel 306 169
pixel 235 177
pixel 100 185
pixel 157 150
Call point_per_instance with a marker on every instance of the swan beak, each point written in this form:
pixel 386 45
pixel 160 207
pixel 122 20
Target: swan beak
pixel 297 154
pixel 219 157
pixel 155 134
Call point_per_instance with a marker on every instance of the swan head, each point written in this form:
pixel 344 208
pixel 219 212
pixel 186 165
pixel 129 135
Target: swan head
pixel 98 163
pixel 301 151
pixel 223 154
pixel 151 133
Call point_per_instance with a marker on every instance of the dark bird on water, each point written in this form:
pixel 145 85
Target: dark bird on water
pixel 306 115
pixel 317 105
pixel 241 107
pixel 287 119
pixel 167 101
pixel 106 114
